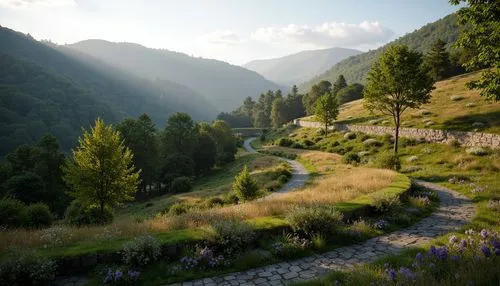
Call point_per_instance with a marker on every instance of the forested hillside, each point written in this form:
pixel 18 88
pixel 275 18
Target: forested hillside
pixel 356 68
pixel 44 89
pixel 300 67
pixel 224 85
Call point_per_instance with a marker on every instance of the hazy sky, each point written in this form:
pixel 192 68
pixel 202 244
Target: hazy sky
pixel 235 31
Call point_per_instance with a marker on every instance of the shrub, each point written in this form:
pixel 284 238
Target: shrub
pixel 297 145
pixel 412 159
pixel 38 215
pixel 181 185
pixel 456 97
pixel 385 202
pixel 244 186
pixel 361 229
pixel 455 143
pixel 291 245
pixel 231 199
pixel 477 151
pixel 215 201
pixel 429 123
pixel 334 144
pixel 285 142
pixel 388 138
pixel 388 160
pixel 320 132
pixel 350 158
pixel 26 268
pixel 79 214
pixel 364 153
pixel 178 209
pixel 350 135
pixel 478 124
pixel 314 220
pixel 375 121
pixel 404 142
pixel 494 205
pixel 419 201
pixel 308 143
pixel 54 236
pixel 143 250
pixel 229 236
pixel 12 213
pixel 282 179
pixel 372 143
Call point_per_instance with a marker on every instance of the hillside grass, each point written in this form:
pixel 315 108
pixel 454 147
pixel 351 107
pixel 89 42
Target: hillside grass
pixel 452 107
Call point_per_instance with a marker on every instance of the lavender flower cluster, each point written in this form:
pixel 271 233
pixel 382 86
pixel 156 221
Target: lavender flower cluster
pixel 381 224
pixel 478 245
pixel 290 243
pixel 118 277
pixel 206 258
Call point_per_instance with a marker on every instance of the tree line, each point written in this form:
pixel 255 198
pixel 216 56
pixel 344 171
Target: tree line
pixel 111 165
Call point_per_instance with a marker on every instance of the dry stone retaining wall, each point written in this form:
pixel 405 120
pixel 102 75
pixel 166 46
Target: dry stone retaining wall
pixel 472 139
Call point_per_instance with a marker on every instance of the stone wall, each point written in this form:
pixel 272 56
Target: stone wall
pixel 472 139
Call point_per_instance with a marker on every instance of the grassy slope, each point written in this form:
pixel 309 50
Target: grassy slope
pixel 444 112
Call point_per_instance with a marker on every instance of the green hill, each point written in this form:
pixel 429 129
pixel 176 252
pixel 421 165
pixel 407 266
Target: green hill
pixel 57 90
pixel 356 67
pixel 223 84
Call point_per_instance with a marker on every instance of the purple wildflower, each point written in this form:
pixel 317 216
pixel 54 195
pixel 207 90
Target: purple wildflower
pixel 432 250
pixel 407 273
pixel 108 279
pixel 441 253
pixel 419 257
pixel 484 233
pixel 453 239
pixel 134 274
pixel 118 275
pixel 486 251
pixel 206 252
pixel 391 273
pixel 495 243
pixel 463 243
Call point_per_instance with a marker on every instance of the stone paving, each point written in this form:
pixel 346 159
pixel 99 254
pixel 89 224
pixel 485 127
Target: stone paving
pixel 299 174
pixel 454 211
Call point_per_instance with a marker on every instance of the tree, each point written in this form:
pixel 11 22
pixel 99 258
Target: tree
pixel 248 106
pixel 205 153
pixel 245 187
pixel 261 120
pixel 225 142
pixel 439 60
pixel 278 112
pixel 339 84
pixel 327 110
pixel 316 92
pixel 141 137
pixel 480 36
pixel 101 172
pixel 397 81
pixel 350 93
pixel 179 135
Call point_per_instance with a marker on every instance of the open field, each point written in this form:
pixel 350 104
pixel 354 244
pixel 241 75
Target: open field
pixel 452 107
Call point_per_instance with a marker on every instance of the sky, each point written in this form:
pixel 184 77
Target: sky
pixel 235 31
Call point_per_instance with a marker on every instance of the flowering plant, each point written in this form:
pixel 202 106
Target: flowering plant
pixel 119 277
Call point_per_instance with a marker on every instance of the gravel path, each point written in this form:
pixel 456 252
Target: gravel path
pixel 454 211
pixel 299 174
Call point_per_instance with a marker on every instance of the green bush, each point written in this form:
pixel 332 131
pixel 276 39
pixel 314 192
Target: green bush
pixel 12 213
pixel 405 142
pixel 350 158
pixel 282 179
pixel 477 151
pixel 308 143
pixel 26 268
pixel 143 250
pixel 215 201
pixel 371 143
pixel 244 186
pixel 350 135
pixel 231 199
pixel 285 142
pixel 38 215
pixel 178 209
pixel 314 220
pixel 386 202
pixel 297 145
pixel 229 236
pixel 388 160
pixel 79 214
pixel 181 185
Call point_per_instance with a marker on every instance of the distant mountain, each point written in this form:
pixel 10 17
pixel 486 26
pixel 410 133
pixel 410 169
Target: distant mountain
pixel 356 68
pixel 300 67
pixel 46 88
pixel 223 84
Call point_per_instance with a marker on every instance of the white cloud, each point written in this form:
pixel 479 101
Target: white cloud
pixel 223 38
pixel 36 3
pixel 327 34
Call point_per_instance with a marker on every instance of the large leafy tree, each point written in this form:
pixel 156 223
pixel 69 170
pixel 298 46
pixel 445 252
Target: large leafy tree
pixel 102 171
pixel 278 112
pixel 439 60
pixel 179 135
pixel 327 110
pixel 397 81
pixel 481 37
pixel 339 84
pixel 141 137
pixel 316 92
